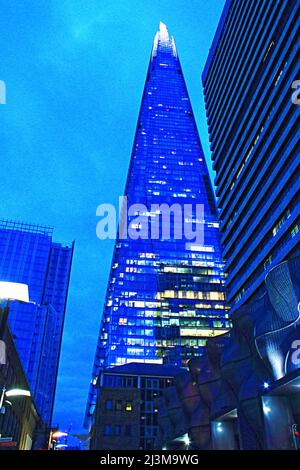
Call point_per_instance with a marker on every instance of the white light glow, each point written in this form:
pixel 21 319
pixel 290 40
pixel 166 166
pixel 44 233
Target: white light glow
pixel 58 434
pixel 266 409
pixel 163 37
pixel 219 427
pixel 163 32
pixel 14 291
pixel 277 362
pixel 18 392
pixel 186 440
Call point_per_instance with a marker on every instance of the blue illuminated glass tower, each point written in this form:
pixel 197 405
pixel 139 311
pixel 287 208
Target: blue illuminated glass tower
pixel 28 255
pixel 165 294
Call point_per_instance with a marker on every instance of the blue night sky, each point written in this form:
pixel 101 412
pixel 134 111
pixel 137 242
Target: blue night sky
pixel 74 72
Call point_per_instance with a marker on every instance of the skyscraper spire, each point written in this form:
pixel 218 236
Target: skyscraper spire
pixel 163 32
pixel 162 38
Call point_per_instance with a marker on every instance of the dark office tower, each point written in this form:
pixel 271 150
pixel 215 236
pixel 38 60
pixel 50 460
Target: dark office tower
pixel 253 117
pixel 28 255
pixel 165 294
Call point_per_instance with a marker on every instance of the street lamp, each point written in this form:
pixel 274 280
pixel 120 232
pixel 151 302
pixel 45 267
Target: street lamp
pixel 54 435
pixel 11 291
pixel 14 392
pixel 58 434
pixel 18 392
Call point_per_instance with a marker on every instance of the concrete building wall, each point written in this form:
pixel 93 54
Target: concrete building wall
pixel 128 436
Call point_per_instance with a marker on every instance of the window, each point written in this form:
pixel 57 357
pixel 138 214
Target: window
pixel 118 405
pixel 117 430
pixel 295 230
pixel 107 430
pixel 128 406
pixel 109 405
pixel 128 429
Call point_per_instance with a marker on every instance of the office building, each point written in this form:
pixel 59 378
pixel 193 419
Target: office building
pixel 165 294
pixel 28 255
pixel 253 118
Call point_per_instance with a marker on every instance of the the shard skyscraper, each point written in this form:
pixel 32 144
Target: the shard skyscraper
pixel 165 293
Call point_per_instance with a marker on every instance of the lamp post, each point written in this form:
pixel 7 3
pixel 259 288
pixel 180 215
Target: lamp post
pixel 10 291
pixel 54 435
pixel 14 392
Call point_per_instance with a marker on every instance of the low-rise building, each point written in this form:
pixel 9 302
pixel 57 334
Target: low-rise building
pixel 126 414
pixel 20 425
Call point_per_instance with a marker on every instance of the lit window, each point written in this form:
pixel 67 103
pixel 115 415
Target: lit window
pixel 268 50
pixel 128 406
pixel 282 221
pixel 268 262
pixel 295 230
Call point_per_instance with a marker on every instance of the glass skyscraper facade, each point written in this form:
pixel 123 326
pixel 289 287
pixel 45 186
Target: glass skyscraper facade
pixel 165 293
pixel 28 255
pixel 253 116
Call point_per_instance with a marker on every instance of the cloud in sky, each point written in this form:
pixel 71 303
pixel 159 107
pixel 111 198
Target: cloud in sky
pixel 75 72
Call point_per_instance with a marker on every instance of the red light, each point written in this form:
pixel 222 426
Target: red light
pixel 297 433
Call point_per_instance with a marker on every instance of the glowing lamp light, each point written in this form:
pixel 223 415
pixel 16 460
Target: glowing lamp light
pixel 18 392
pixel 58 434
pixel 266 409
pixel 266 385
pixel 219 427
pixel 14 291
pixel 186 440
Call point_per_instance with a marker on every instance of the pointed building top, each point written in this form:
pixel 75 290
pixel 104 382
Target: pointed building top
pixel 162 37
pixel 163 32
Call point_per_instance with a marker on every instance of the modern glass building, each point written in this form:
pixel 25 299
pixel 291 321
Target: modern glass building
pixel 28 255
pixel 165 293
pixel 253 117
